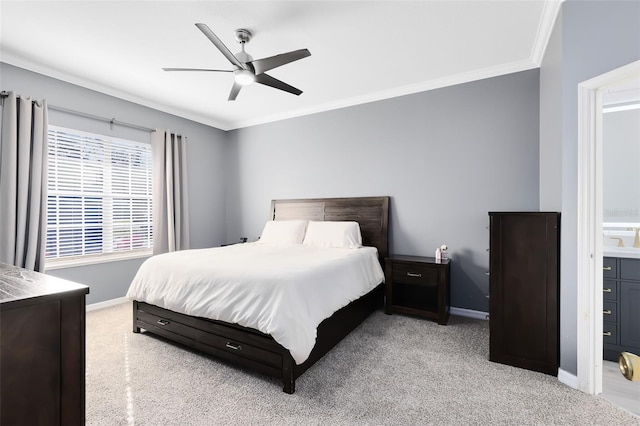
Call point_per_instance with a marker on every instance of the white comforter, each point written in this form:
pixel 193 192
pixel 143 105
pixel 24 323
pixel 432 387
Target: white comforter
pixel 285 291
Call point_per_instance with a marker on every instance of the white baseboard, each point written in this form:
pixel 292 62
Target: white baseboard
pixel 470 313
pixel 106 304
pixel 567 378
pixel 564 377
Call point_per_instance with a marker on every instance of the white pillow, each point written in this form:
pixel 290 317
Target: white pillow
pixel 333 234
pixel 283 232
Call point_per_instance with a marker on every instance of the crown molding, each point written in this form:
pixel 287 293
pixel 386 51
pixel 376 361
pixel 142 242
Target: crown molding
pixel 21 62
pixel 452 80
pixel 461 78
pixel 550 12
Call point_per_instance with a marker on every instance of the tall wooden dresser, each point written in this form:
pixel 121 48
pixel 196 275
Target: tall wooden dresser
pixel 42 349
pixel 524 290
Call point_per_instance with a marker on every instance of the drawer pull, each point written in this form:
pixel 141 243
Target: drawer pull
pixel 606 290
pixel 606 311
pixel 413 274
pixel 607 268
pixel 234 347
pixel 162 322
pixel 606 333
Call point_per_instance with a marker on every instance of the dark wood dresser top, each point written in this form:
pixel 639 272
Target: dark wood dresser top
pixel 42 349
pixel 18 284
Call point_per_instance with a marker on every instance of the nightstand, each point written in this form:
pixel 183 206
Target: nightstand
pixel 242 241
pixel 419 286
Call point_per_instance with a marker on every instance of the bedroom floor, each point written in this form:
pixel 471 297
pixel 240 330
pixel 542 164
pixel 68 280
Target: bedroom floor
pixel 618 390
pixel 390 370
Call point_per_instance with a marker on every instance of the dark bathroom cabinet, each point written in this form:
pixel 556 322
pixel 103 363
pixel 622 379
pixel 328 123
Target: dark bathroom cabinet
pixel 621 307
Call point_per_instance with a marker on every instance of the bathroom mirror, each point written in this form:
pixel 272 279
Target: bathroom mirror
pixel 621 160
pixel 621 168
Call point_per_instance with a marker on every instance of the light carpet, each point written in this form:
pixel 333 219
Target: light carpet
pixel 393 370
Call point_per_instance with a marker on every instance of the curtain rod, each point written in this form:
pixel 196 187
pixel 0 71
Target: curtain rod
pixel 111 121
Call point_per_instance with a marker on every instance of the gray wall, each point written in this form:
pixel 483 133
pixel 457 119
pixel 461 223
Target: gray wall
pixel 446 157
pixel 596 37
pixel 551 121
pixel 205 152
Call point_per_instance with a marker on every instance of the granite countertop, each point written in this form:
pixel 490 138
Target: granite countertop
pixel 627 252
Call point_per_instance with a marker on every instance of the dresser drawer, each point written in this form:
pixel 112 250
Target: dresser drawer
pixel 609 267
pixel 630 269
pixel 609 290
pixel 166 326
pixel 414 274
pixel 239 348
pixel 609 333
pixel 610 311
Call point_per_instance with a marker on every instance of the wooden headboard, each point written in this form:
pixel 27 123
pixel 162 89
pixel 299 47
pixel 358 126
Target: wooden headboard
pixel 372 213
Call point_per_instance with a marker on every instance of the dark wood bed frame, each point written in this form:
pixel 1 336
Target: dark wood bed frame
pixel 257 351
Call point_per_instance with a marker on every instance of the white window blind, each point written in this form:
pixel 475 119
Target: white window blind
pixel 99 196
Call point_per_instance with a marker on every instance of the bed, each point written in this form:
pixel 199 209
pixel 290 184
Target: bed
pixel 259 351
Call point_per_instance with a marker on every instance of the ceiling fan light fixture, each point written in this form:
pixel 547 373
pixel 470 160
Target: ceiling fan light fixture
pixel 245 69
pixel 244 77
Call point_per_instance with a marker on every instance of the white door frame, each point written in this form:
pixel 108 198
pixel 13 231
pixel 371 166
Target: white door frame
pixel 589 256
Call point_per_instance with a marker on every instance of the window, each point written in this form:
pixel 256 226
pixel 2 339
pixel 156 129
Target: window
pixel 99 197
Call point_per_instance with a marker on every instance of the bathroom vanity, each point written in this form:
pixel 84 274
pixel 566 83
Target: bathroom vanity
pixel 621 304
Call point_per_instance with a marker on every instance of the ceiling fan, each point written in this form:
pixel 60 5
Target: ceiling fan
pixel 246 69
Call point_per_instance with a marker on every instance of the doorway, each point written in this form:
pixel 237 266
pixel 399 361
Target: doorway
pixel 591 96
pixel 621 225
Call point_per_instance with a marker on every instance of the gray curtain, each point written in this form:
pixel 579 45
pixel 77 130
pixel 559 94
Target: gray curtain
pixel 170 197
pixel 23 182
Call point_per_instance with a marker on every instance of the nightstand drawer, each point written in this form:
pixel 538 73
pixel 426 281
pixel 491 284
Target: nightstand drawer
pixel 610 311
pixel 417 285
pixel 414 274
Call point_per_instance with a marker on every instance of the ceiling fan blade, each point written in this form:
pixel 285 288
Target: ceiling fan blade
pixel 267 80
pixel 266 64
pixel 220 45
pixel 235 89
pixel 194 69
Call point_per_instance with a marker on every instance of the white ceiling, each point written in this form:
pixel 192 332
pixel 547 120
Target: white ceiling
pixel 361 51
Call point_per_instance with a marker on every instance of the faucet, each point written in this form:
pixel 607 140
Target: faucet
pixel 636 240
pixel 620 242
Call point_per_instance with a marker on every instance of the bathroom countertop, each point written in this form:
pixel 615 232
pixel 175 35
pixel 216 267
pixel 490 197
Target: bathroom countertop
pixel 628 252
